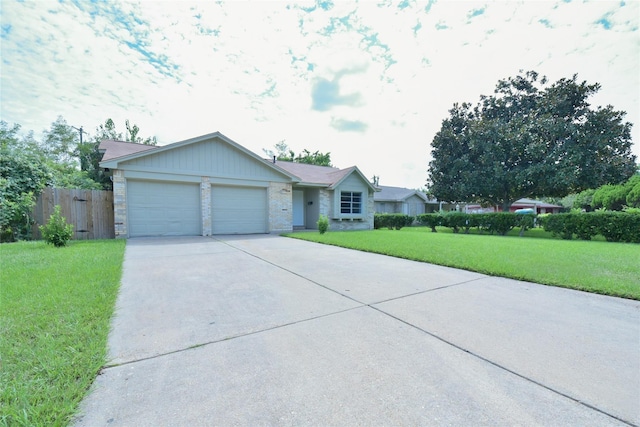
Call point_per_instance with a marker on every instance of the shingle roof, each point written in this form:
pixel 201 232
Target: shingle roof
pixel 306 174
pixel 114 149
pixel 396 194
pixel 313 174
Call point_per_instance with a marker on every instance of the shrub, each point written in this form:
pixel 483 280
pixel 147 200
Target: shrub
pixel 323 224
pixel 502 222
pixel 15 215
pixel 392 221
pixel 618 226
pixel 430 220
pixel 56 231
pixel 613 226
pixel 525 222
pixel 455 221
pixel 378 221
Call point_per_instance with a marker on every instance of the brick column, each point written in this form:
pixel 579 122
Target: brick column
pixel 120 204
pixel 280 207
pixel 205 205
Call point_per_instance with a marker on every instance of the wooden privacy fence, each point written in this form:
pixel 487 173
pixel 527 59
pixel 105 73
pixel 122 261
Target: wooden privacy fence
pixel 90 212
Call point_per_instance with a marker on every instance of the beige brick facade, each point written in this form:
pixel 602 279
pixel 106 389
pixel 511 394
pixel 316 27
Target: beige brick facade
pixel 280 207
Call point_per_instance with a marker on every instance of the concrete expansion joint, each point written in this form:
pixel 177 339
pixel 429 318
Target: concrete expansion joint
pixel 233 337
pixel 502 367
pixel 294 273
pixel 427 291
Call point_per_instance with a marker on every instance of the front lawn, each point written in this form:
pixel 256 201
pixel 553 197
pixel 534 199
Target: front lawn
pixel 593 266
pixel 56 304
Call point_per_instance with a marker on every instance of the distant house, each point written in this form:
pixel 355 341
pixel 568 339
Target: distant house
pixel 399 200
pixel 537 205
pixel 409 202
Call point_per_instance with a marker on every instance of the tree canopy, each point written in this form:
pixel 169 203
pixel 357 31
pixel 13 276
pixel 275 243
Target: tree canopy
pixel 284 153
pixel 58 159
pixel 90 156
pixel 529 139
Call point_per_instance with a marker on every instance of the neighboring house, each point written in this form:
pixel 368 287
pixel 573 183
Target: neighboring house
pixel 212 185
pixel 409 202
pixel 539 207
pixel 399 200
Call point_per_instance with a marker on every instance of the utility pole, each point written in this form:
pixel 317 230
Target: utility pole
pixel 84 163
pixel 81 132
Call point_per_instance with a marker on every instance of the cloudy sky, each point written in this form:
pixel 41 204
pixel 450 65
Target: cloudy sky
pixel 368 81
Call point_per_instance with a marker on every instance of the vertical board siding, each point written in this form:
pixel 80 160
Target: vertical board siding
pixel 210 158
pixel 89 211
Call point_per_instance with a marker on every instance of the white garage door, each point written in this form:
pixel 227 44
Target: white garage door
pixel 238 210
pixel 163 208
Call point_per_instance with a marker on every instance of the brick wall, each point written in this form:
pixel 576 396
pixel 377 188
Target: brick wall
pixel 205 205
pixel 280 199
pixel 120 204
pixel 326 208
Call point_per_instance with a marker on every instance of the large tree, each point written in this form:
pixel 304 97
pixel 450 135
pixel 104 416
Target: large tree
pixel 529 139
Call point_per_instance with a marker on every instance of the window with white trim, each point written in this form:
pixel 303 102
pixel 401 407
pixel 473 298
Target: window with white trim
pixel 350 202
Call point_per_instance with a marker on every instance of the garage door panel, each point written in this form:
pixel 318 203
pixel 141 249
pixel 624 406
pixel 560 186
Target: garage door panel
pixel 238 210
pixel 163 209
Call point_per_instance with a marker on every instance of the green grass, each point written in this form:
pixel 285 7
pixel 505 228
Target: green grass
pixel 55 308
pixel 593 266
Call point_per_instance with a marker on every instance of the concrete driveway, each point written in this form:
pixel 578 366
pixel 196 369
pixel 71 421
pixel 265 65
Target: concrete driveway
pixel 266 330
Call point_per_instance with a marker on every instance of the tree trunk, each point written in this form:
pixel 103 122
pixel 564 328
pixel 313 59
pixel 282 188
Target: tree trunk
pixel 506 205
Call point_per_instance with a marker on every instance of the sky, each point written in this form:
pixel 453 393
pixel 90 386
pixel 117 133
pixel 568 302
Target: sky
pixel 370 81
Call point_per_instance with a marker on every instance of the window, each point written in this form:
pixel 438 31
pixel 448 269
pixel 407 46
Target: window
pixel 350 202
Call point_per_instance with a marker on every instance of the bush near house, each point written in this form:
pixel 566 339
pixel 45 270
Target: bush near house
pixel 392 221
pixel 323 224
pixel 56 231
pixel 493 223
pixel 614 226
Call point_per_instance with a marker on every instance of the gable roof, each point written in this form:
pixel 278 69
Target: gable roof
pixel 123 153
pixel 321 176
pixel 397 194
pixel 113 149
pixel 116 152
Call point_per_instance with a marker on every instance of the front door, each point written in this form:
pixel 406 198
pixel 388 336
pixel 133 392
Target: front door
pixel 298 208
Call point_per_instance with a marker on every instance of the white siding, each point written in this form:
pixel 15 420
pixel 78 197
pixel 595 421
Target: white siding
pixel 163 208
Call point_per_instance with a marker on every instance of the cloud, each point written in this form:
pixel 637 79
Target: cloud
pixel 325 94
pixel 327 76
pixel 343 125
pixel 604 21
pixel 475 12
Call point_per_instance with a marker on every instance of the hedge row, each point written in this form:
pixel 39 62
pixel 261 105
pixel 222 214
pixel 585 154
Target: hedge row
pixel 392 221
pixel 614 226
pixel 500 223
